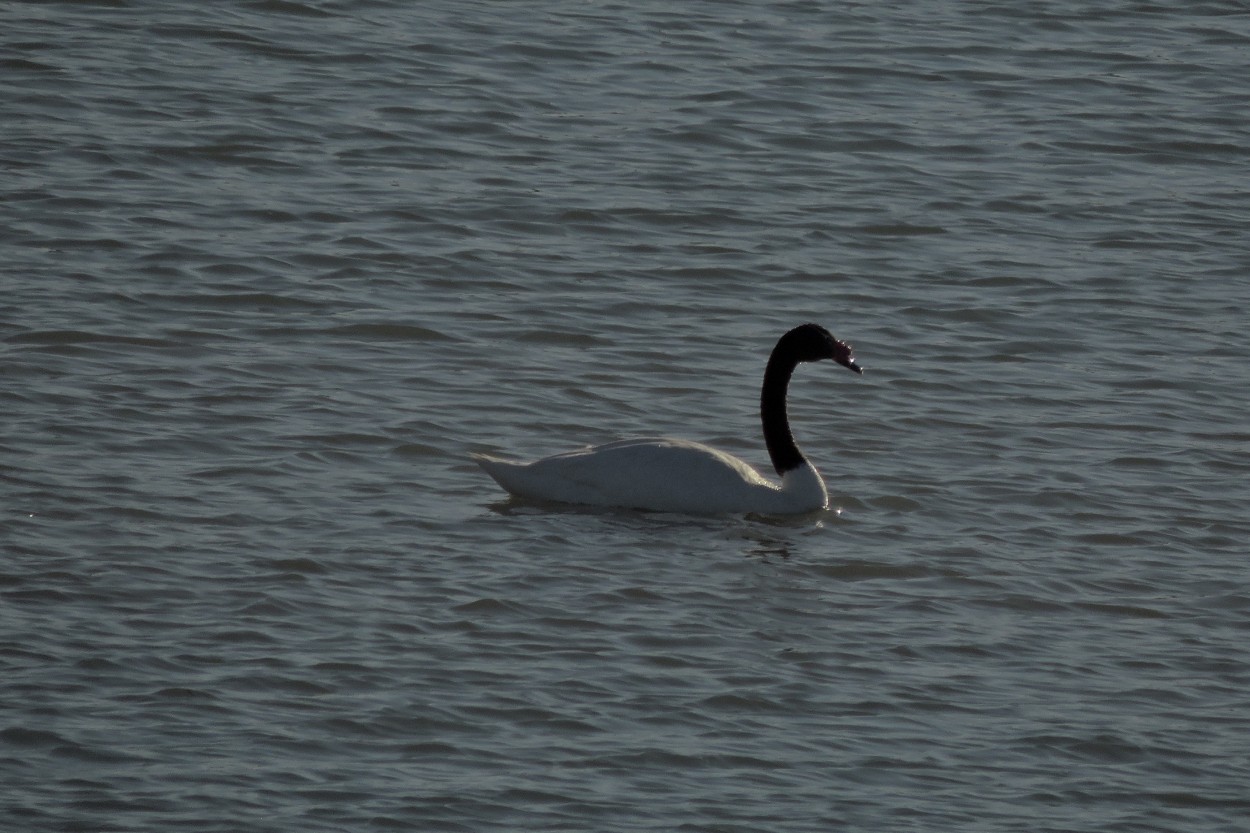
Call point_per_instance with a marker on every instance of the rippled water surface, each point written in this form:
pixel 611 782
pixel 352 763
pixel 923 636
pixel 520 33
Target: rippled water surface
pixel 273 270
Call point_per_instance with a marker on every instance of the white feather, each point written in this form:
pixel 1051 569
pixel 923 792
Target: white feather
pixel 665 475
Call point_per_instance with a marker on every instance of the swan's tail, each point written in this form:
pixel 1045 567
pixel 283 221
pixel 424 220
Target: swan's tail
pixel 503 471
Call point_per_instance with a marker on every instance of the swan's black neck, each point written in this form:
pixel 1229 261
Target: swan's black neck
pixel 782 449
pixel 805 343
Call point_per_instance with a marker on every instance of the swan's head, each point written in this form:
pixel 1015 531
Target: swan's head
pixel 812 342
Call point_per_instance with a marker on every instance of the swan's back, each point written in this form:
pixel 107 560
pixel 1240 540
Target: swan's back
pixel 660 474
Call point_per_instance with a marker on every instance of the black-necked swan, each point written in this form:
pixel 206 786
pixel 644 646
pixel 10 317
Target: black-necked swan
pixel 680 476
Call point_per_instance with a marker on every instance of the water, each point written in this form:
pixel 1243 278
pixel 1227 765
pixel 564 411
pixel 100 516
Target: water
pixel 272 270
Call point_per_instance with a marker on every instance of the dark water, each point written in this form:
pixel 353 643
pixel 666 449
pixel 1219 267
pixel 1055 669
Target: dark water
pixel 272 270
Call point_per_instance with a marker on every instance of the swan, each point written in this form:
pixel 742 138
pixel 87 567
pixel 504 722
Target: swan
pixel 671 475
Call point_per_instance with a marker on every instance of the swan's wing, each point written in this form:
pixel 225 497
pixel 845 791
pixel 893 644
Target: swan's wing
pixel 664 474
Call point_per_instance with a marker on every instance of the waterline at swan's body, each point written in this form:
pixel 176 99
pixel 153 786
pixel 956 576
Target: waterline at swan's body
pixel 660 474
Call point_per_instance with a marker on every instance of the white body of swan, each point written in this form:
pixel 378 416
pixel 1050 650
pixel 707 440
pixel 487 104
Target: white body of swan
pixel 680 476
pixel 661 474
